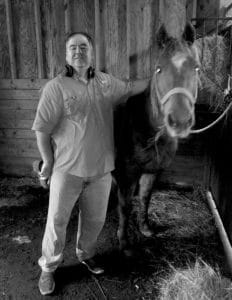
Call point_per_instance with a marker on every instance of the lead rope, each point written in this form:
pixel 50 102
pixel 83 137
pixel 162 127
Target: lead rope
pixel 213 123
pixel 229 95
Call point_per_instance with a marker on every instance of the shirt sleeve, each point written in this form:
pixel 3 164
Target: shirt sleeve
pixel 49 109
pixel 120 90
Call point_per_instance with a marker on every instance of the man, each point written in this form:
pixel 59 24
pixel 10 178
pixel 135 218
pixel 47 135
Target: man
pixel 74 130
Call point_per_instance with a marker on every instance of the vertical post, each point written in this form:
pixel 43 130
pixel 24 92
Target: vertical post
pixel 67 17
pixel 231 51
pixel 97 35
pixel 10 38
pixel 38 39
pixel 128 37
pixel 194 11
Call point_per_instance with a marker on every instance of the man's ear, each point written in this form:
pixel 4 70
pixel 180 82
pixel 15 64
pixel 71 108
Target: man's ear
pixel 189 34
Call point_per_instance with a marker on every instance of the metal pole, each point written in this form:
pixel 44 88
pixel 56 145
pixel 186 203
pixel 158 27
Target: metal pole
pixel 221 230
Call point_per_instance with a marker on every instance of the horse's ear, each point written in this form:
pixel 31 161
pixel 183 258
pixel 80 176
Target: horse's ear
pixel 162 37
pixel 189 34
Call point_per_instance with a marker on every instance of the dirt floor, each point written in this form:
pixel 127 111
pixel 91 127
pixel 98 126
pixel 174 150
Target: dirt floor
pixel 23 209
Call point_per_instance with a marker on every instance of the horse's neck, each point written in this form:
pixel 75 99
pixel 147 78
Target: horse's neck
pixel 155 116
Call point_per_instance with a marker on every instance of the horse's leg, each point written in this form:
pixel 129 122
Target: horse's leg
pixel 145 186
pixel 124 208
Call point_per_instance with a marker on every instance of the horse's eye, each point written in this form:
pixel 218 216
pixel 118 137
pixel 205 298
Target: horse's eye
pixel 158 70
pixel 197 69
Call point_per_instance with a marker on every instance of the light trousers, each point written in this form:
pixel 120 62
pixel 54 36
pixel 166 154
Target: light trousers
pixel 65 190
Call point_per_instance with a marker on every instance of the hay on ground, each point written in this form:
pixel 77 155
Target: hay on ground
pixel 184 214
pixel 196 282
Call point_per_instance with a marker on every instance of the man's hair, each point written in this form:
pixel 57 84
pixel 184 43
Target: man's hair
pixel 90 40
pixel 68 70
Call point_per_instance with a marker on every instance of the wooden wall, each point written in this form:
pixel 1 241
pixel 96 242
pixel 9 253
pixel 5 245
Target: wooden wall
pixel 32 50
pixel 218 175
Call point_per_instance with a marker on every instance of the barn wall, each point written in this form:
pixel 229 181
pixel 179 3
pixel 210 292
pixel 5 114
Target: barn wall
pixel 218 176
pixel 32 50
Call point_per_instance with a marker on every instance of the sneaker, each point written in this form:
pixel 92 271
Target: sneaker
pixel 37 166
pixel 92 266
pixel 46 283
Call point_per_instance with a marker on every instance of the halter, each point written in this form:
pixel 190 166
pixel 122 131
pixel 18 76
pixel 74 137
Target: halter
pixel 180 90
pixel 177 90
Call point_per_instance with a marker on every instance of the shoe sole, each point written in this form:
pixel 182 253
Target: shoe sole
pixel 95 272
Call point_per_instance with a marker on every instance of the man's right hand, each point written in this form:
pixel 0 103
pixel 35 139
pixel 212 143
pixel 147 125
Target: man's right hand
pixel 46 170
pixel 45 149
pixel 45 174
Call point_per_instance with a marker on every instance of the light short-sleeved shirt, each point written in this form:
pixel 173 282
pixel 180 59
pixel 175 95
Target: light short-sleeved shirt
pixel 79 118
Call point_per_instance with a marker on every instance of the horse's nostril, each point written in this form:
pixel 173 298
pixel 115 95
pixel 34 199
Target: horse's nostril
pixel 172 122
pixel 190 122
pixel 175 122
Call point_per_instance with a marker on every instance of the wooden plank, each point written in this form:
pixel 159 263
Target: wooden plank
pixel 58 37
pixel 5 69
pixel 19 166
pixel 19 94
pixel 102 9
pixel 18 114
pixel 10 38
pixel 82 16
pixel 155 23
pixel 17 133
pixel 39 39
pixel 32 84
pixel 18 104
pixel 191 10
pixel 53 23
pixel 67 16
pixel 128 32
pixel 140 38
pixel 97 35
pixel 173 15
pixel 115 18
pixel 25 38
pixel 18 147
pixel 15 123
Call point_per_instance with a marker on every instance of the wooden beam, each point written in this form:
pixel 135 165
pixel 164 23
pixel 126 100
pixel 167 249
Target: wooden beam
pixel 23 84
pixel 18 147
pixel 19 94
pixel 97 35
pixel 13 165
pixel 67 16
pixel 10 38
pixel 17 133
pixel 18 104
pixel 39 39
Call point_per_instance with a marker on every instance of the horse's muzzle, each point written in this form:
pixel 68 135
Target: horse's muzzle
pixel 179 126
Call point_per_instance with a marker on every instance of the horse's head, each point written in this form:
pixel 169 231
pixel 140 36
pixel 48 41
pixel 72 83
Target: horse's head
pixel 175 82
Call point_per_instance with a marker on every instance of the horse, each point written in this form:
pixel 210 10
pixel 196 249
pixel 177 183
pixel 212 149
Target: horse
pixel 146 137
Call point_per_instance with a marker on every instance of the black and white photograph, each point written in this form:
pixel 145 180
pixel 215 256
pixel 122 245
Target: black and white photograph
pixel 116 149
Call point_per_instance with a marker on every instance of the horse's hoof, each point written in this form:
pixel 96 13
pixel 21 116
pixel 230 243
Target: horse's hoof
pixel 146 231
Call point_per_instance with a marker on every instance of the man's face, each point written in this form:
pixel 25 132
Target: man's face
pixel 79 52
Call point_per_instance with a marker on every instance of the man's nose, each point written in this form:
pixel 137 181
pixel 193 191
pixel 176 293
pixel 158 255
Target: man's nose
pixel 78 49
